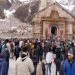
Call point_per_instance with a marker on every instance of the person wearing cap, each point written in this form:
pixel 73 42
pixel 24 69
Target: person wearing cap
pixel 24 65
pixel 69 64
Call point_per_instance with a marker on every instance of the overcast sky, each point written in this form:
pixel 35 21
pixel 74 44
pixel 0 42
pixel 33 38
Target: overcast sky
pixel 29 0
pixel 24 0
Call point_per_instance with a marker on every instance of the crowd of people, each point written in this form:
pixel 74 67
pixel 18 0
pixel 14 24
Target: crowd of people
pixel 36 56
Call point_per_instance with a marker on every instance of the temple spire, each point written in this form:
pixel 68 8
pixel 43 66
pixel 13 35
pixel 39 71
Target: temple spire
pixel 45 3
pixel 51 1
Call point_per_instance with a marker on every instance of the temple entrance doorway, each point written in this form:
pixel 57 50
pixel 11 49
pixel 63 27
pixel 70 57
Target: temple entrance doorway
pixel 54 30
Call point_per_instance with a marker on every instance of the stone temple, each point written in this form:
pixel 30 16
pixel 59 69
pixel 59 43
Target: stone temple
pixel 53 19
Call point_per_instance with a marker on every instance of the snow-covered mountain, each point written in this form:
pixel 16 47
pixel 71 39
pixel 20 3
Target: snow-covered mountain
pixel 5 4
pixel 20 6
pixel 69 5
pixel 66 2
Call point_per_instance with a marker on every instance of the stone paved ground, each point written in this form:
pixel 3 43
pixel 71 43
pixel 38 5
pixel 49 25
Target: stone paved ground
pixel 12 68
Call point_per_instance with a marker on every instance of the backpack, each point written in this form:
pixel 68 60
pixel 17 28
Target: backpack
pixel 4 46
pixel 6 54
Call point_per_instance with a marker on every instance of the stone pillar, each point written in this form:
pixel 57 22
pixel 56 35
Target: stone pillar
pixel 48 34
pixel 70 28
pixel 57 31
pixel 45 29
pixel 42 4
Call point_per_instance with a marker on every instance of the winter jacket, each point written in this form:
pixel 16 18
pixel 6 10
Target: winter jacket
pixel 69 69
pixel 24 66
pixel 2 66
pixel 17 50
pixel 49 57
pixel 6 55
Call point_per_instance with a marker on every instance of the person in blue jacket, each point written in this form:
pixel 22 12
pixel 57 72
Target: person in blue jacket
pixel 2 64
pixel 69 64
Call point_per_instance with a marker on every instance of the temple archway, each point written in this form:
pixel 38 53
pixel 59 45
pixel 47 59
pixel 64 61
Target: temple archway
pixel 54 30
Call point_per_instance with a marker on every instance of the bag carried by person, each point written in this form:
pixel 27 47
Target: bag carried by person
pixel 43 68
